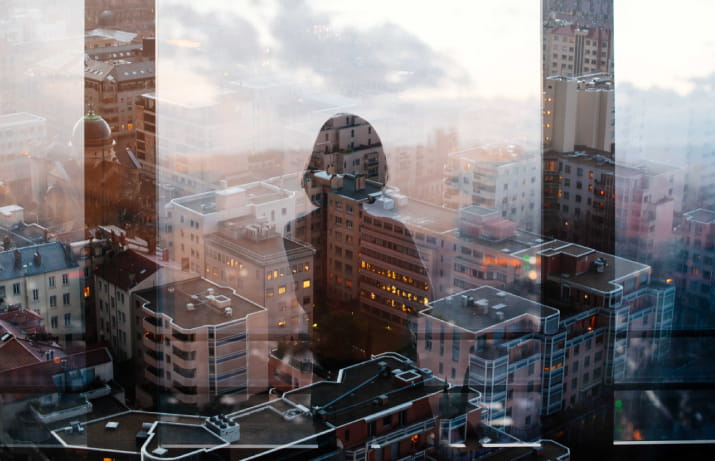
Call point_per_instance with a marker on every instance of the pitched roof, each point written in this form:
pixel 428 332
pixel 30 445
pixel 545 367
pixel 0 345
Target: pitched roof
pixel 22 262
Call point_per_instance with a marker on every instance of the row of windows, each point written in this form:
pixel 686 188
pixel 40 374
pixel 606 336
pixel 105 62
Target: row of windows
pixel 54 321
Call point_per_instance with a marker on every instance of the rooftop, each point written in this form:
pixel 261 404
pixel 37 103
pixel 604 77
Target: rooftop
pixel 701 215
pixel 22 262
pixel 172 299
pixel 414 214
pixel 262 251
pixel 485 307
pixel 19 118
pixel 493 154
pixel 126 269
pixel 37 378
pixel 615 268
pixel 354 394
pixel 122 436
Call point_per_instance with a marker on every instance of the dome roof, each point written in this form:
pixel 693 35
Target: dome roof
pixel 96 131
pixel 106 19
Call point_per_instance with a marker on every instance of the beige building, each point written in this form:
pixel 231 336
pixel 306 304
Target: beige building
pixel 268 269
pixel 578 112
pixel 200 342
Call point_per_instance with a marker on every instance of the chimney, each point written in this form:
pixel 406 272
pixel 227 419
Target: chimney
pixel 37 258
pixel 149 47
pixel 359 182
pixel 18 259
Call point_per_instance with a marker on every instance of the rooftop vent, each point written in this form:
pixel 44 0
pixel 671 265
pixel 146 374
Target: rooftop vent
pixel 496 307
pixel 407 377
pixel 159 451
pixel 190 307
pixel 112 426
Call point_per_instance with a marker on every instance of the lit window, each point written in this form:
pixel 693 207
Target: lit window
pixel 306 283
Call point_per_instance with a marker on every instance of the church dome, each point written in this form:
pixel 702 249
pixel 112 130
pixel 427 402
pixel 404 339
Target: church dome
pixel 106 19
pixel 96 131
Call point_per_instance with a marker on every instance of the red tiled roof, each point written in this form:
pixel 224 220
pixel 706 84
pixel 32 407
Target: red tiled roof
pixel 37 378
pixel 13 354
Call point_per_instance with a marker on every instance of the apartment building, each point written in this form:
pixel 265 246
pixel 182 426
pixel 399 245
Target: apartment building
pixel 111 87
pixel 483 252
pixel 349 144
pixel 384 408
pixel 602 318
pixel 271 270
pixel 200 342
pixel 579 111
pixel 495 342
pixel 45 279
pixel 504 178
pixel 588 199
pixel 114 282
pixel 579 198
pixel 572 50
pixel 402 253
pixel 189 219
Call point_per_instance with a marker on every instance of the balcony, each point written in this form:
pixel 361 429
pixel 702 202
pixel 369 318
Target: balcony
pixel 185 372
pixel 67 407
pixel 184 355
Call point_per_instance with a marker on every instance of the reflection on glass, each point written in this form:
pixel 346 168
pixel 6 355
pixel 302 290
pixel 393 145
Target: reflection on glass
pixel 208 252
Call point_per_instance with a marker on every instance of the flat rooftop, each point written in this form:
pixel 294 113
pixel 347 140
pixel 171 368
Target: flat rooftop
pixel 19 118
pixel 351 397
pixel 256 194
pixel 171 300
pixel 122 438
pixel 348 187
pixel 493 154
pixel 277 422
pixel 615 267
pixel 490 307
pixel 701 215
pixel 519 242
pixel 261 251
pixel 416 215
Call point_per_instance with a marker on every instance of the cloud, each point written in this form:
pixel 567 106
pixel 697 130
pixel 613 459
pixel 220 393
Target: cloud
pixel 380 58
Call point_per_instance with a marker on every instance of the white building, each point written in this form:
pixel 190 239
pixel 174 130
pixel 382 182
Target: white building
pixel 189 219
pixel 504 178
